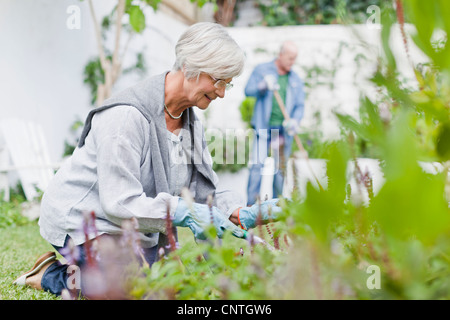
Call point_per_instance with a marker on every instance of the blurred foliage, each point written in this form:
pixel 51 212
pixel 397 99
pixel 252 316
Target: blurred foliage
pixel 11 211
pixel 246 109
pixel 75 132
pixel 93 73
pixel 328 244
pixel 297 12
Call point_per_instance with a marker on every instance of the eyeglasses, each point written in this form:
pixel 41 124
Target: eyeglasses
pixel 220 84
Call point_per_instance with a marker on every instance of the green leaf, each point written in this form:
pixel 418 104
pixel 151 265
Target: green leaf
pixel 246 109
pixel 412 206
pixel 443 142
pixel 350 123
pixel 387 21
pixel 375 124
pixel 427 16
pixel 200 3
pixel 322 209
pixel 370 128
pixel 153 3
pixel 137 18
pixel 411 203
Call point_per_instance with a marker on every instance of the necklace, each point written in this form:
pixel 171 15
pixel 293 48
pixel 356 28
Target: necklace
pixel 170 115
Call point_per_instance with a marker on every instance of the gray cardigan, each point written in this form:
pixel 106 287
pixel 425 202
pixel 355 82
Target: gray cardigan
pixel 121 169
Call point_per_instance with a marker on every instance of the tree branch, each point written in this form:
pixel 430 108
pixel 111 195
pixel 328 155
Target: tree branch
pixel 116 63
pixel 98 36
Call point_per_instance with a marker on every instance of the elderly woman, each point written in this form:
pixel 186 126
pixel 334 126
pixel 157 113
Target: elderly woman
pixel 136 154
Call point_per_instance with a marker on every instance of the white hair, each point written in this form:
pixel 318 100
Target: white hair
pixel 207 47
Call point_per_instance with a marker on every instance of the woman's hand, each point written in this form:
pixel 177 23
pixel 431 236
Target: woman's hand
pixel 199 216
pixel 247 217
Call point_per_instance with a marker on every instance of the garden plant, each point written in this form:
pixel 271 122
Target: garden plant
pixel 330 243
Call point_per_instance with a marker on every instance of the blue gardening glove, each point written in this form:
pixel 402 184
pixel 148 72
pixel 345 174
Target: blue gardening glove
pixel 291 126
pixel 248 216
pixel 200 216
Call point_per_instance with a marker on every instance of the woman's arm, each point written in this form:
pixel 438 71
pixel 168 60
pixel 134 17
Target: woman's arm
pixel 120 139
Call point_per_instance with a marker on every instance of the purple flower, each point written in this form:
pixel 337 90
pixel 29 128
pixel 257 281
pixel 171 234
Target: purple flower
pixel 70 252
pixel 88 226
pixel 130 236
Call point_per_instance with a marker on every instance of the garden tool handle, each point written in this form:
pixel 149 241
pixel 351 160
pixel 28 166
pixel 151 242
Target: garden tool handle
pixel 296 137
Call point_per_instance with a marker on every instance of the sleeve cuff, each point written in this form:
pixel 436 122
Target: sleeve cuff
pixel 231 210
pixel 173 202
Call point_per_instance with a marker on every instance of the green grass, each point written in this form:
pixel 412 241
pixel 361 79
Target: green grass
pixel 20 246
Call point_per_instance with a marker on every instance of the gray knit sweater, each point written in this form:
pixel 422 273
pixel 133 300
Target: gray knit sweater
pixel 121 169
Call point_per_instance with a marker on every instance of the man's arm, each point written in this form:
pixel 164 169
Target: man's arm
pixel 256 84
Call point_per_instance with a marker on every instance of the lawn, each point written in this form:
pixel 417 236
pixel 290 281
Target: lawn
pixel 20 246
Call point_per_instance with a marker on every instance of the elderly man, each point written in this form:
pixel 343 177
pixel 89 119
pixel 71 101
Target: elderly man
pixel 268 119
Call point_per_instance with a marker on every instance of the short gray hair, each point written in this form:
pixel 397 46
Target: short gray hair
pixel 207 47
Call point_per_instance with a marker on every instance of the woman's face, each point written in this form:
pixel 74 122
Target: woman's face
pixel 200 93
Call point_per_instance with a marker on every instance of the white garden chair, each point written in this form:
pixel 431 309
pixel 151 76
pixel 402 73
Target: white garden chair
pixel 23 150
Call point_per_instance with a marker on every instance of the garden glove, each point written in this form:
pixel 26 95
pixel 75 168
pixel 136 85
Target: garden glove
pixel 291 126
pixel 271 82
pixel 199 216
pixel 248 216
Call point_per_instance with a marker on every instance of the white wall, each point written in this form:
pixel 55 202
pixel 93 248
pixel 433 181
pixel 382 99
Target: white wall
pixel 318 46
pixel 41 65
pixel 42 61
